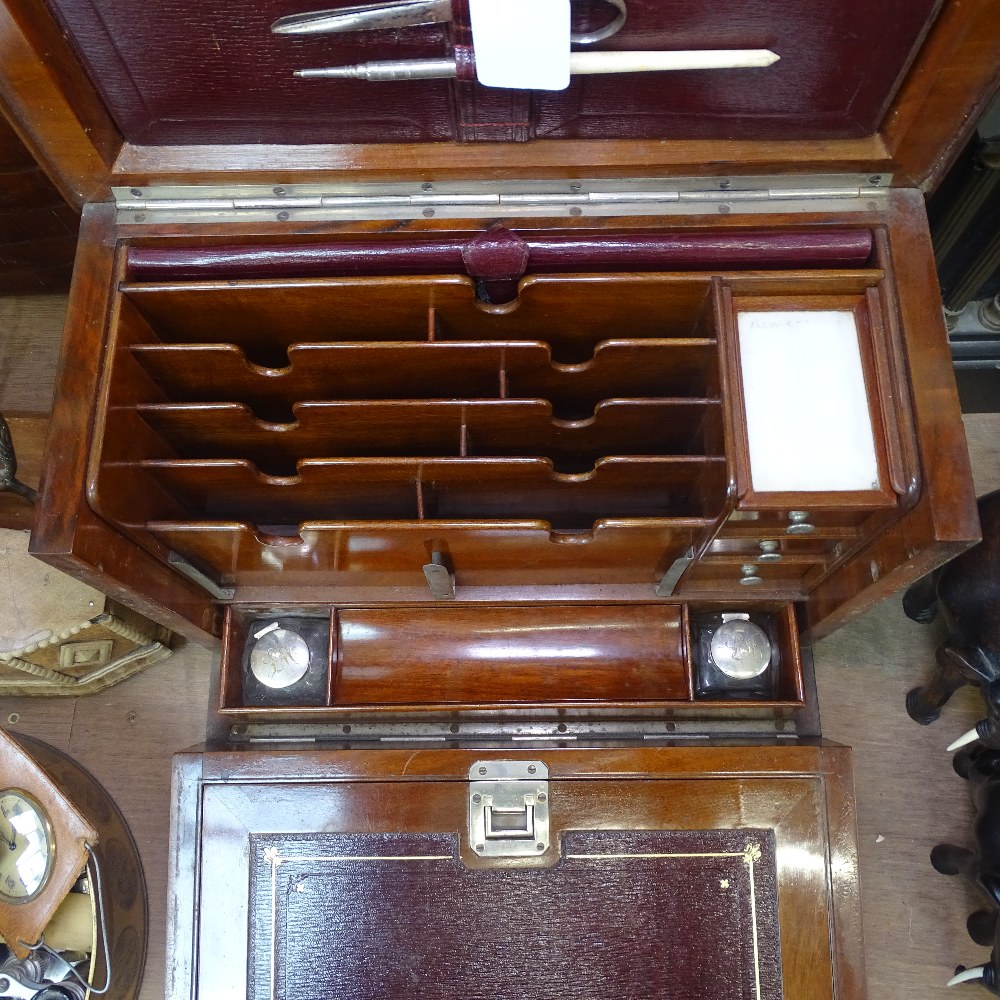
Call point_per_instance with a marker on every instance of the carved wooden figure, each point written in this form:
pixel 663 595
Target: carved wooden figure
pixel 968 591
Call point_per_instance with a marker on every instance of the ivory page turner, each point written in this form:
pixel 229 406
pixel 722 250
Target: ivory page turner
pixel 580 63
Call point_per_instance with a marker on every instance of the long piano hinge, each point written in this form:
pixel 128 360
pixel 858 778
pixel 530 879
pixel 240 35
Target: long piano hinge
pixel 295 203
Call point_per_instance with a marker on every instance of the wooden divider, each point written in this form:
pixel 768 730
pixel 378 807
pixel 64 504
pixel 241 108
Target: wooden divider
pixel 454 427
pixel 451 488
pixel 619 369
pixel 571 313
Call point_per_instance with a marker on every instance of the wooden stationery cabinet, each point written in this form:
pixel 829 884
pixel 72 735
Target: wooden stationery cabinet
pixel 504 429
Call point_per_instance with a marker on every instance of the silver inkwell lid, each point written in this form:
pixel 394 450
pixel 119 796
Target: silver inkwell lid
pixel 280 657
pixel 740 649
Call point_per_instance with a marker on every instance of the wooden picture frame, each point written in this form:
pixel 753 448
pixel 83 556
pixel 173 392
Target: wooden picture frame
pixel 877 388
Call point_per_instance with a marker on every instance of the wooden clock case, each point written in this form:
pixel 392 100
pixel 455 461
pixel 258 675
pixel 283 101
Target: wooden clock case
pixel 456 375
pixel 70 834
pixel 100 824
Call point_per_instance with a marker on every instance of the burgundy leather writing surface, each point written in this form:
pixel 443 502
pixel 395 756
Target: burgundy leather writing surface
pixel 645 915
pixel 185 71
pixel 499 257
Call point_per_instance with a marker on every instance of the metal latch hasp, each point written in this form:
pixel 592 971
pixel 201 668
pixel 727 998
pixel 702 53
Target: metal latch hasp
pixel 509 808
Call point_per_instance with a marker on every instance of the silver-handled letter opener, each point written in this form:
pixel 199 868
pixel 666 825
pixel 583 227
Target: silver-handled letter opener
pixel 580 63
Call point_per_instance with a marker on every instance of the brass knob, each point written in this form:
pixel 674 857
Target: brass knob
pixel 750 577
pixel 769 552
pixel 800 523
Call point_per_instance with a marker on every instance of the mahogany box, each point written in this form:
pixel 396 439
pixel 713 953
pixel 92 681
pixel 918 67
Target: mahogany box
pixel 484 414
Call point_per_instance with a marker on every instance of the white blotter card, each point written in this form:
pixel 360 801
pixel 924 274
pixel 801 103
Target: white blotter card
pixel 809 425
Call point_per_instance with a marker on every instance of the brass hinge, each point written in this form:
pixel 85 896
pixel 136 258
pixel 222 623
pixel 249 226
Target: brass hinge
pixel 294 203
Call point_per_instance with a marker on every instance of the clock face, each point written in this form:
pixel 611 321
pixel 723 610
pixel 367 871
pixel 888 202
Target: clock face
pixel 26 846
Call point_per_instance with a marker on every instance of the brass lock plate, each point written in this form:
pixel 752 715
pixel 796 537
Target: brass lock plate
pixel 509 808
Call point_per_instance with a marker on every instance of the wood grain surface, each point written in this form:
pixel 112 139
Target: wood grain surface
pixel 932 114
pixel 71 536
pixel 167 72
pixel 29 351
pixel 37 228
pixel 907 793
